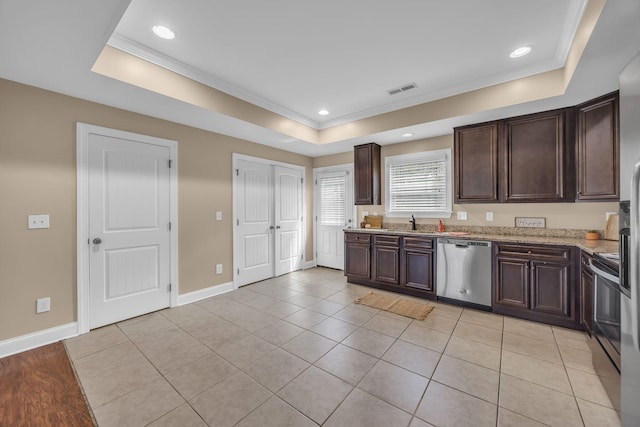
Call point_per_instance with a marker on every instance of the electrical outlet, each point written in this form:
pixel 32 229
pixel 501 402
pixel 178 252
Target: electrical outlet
pixel 489 216
pixel 218 268
pixel 43 305
pixel 38 221
pixel 365 213
pixel 218 216
pixel 462 215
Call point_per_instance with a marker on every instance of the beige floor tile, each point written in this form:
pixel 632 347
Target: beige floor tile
pixel 316 288
pixel 537 371
pixel 506 418
pixel 394 385
pixel 251 319
pixel 528 329
pixel 573 334
pixel 539 403
pixel 316 393
pixel 281 309
pixel 213 331
pixel 490 320
pixel 140 407
pixel 326 307
pixel 425 337
pixel 604 391
pixel 438 323
pixel 140 327
pixel 170 349
pixel 447 407
pixel 386 325
pixel 474 352
pixel 573 339
pixel 472 379
pixel 226 403
pixel 368 309
pixel 184 313
pixel 279 332
pixel 595 415
pixel 304 300
pixel 417 422
pixel 478 333
pixel 220 305
pixel 276 413
pixel 305 318
pixel 355 315
pixel 415 358
pixel 341 297
pixel 346 363
pixel 334 329
pixel 533 347
pixel 592 362
pixel 183 416
pixel 361 409
pixel 446 310
pixel 275 369
pixel 241 353
pixel 94 341
pixel 309 346
pixel 260 302
pixel 369 342
pixel 196 377
pixel 108 359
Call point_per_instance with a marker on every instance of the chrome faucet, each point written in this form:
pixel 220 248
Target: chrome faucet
pixel 413 223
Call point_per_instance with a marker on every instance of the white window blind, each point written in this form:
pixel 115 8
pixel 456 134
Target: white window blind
pixel 333 202
pixel 419 184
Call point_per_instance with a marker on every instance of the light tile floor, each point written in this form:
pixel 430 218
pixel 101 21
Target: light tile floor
pixel 295 351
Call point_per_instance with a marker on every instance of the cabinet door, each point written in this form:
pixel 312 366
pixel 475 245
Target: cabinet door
pixel 417 270
pixel 366 159
pixel 511 287
pixel 357 260
pixel 476 163
pixel 586 300
pixel 550 289
pixel 534 158
pixel 598 149
pixel 386 266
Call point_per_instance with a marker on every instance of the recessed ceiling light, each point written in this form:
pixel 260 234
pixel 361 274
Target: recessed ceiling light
pixel 163 32
pixel 323 112
pixel 407 135
pixel 521 51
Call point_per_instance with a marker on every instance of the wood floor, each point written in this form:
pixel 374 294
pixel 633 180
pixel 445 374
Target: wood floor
pixel 39 388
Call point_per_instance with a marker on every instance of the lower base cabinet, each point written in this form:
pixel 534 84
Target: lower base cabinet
pixel 586 293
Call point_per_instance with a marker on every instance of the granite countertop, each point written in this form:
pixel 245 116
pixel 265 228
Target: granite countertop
pixel 589 246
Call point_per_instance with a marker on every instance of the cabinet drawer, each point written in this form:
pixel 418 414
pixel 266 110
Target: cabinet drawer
pixel 381 240
pixel 557 253
pixel 357 237
pixel 418 243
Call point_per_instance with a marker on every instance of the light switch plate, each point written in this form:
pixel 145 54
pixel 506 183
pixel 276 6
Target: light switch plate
pixel 43 305
pixel 218 216
pixel 38 221
pixel 489 216
pixel 462 215
pixel 218 268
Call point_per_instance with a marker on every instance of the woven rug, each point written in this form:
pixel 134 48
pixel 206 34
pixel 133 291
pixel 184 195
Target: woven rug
pixel 395 305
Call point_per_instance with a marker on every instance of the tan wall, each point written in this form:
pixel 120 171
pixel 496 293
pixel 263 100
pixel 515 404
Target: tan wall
pixel 37 176
pixel 333 160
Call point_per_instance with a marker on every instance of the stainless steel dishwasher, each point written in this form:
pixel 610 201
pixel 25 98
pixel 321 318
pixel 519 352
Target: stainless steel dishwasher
pixel 464 271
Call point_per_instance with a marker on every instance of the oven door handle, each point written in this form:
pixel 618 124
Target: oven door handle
pixel 608 276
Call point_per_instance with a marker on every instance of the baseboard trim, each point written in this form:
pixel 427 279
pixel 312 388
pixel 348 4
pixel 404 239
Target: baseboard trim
pixel 201 294
pixel 37 339
pixel 309 264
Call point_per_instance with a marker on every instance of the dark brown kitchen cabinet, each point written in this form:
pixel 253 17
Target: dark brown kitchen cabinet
pixel 417 263
pixel 475 152
pixel 598 171
pixel 586 293
pixel 536 282
pixel 366 160
pixel 385 266
pixel 357 255
pixel 537 159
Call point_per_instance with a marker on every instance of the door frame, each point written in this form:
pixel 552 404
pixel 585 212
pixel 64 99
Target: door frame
pixel 83 131
pixel 234 195
pixel 336 168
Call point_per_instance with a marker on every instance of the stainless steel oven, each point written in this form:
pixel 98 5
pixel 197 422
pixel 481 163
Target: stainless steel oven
pixel 606 306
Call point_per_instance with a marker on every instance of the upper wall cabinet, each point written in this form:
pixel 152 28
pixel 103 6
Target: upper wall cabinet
pixel 366 159
pixel 476 163
pixel 537 161
pixel 598 149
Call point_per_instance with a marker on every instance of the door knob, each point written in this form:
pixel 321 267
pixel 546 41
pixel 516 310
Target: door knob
pixel 271 227
pixel 277 227
pixel 97 241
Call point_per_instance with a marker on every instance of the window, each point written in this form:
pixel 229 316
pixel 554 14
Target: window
pixel 333 196
pixel 418 184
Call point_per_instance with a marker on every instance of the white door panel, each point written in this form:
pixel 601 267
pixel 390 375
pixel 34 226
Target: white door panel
pixel 129 213
pixel 288 219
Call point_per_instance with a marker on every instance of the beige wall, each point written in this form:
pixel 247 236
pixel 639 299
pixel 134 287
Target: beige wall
pixel 37 176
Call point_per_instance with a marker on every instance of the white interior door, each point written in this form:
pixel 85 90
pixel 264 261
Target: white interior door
pixel 255 228
pixel 334 211
pixel 288 219
pixel 130 239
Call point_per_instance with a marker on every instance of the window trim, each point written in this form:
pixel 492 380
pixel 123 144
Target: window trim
pixel 412 158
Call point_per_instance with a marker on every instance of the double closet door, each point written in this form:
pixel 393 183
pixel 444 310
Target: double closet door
pixel 269 217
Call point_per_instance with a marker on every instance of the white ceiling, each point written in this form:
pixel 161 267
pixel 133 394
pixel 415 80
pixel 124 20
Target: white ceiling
pixel 295 57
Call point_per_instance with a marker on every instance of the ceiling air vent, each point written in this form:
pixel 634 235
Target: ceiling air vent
pixel 402 88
